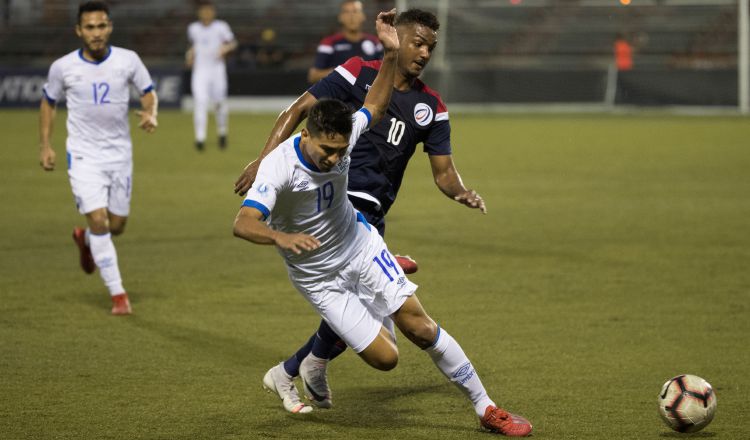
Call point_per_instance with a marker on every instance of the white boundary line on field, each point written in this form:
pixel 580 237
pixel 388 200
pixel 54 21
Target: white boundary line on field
pixel 275 104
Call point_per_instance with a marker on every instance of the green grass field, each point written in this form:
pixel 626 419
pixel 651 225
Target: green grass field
pixel 615 255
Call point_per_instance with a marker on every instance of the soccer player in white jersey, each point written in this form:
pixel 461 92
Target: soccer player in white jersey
pixel 95 80
pixel 211 40
pixel 339 262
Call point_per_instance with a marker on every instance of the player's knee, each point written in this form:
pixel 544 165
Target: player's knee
pixel 117 229
pixel 386 362
pixel 421 332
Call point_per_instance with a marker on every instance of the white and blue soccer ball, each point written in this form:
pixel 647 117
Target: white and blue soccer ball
pixel 687 403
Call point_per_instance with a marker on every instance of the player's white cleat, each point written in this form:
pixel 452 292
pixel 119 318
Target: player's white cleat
pixel 277 381
pixel 312 370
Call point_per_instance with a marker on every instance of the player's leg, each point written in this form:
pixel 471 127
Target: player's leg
pixel 451 360
pixel 219 96
pixel 93 189
pixel 200 83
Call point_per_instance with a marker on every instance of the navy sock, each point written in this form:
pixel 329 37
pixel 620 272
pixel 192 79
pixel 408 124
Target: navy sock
pixel 337 349
pixel 325 342
pixel 291 365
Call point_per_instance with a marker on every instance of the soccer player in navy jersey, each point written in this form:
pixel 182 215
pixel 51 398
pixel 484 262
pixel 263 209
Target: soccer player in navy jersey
pixel 416 114
pixel 350 42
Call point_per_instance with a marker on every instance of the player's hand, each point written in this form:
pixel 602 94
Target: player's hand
pixel 386 31
pixel 246 179
pixel 47 158
pixel 148 121
pixel 296 243
pixel 471 199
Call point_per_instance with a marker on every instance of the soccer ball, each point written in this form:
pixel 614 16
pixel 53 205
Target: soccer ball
pixel 687 403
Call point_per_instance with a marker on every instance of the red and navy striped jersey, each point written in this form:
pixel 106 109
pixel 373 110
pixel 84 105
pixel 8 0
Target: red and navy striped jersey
pixel 379 159
pixel 336 49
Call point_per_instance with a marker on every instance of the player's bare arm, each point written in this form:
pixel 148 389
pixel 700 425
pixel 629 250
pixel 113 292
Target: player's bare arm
pixel 189 57
pixel 46 124
pixel 249 225
pixel 314 74
pixel 148 112
pixel 285 125
pixel 379 96
pixel 449 181
pixel 227 48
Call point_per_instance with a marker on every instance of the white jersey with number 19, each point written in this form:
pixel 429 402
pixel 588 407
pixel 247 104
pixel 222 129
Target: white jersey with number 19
pixel 296 197
pixel 98 95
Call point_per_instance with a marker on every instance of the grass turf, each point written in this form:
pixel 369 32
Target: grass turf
pixel 614 256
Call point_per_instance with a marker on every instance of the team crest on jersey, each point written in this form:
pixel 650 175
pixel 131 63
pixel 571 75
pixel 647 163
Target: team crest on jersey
pixel 263 190
pixel 422 114
pixel 368 47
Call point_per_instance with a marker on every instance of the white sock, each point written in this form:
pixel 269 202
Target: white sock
pixel 200 119
pixel 453 363
pixel 105 257
pixel 87 235
pixel 222 118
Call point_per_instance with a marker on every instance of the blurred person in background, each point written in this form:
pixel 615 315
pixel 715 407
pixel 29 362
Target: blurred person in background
pixel 623 51
pixel 349 42
pixel 95 80
pixel 211 41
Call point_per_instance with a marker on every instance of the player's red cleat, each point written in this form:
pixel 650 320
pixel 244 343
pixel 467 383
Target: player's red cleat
pixel 502 422
pixel 407 264
pixel 121 304
pixel 87 260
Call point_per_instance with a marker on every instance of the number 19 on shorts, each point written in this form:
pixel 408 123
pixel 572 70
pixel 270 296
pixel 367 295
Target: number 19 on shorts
pixel 385 261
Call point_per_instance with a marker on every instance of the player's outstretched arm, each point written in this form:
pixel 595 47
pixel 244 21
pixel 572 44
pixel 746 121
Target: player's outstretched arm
pixel 285 125
pixel 46 124
pixel 149 109
pixel 449 181
pixel 249 225
pixel 379 96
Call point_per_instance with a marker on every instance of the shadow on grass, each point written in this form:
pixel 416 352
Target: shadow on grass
pixel 699 434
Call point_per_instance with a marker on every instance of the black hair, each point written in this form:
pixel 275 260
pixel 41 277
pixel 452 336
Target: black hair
pixel 329 116
pixel 92 6
pixel 418 16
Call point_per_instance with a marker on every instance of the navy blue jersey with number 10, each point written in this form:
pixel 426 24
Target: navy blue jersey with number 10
pixel 380 156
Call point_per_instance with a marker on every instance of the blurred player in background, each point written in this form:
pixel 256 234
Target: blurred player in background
pixel 211 41
pixel 350 42
pixel 416 114
pixel 336 260
pixel 95 80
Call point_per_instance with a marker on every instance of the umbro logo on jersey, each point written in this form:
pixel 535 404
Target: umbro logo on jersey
pixel 263 189
pixel 423 114
pixel 303 184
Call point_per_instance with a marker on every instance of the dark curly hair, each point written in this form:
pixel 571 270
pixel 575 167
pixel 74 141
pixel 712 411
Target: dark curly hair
pixel 329 116
pixel 418 16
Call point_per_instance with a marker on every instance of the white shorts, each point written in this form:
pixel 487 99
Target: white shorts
pixel 209 85
pixel 355 300
pixel 97 186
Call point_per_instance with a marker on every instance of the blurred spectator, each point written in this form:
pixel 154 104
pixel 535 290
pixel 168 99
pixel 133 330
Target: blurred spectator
pixel 349 42
pixel 268 53
pixel 623 51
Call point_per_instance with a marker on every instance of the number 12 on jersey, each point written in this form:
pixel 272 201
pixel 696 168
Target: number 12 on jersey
pixel 101 90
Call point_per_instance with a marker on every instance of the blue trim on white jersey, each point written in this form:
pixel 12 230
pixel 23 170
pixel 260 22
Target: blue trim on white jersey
pixel 109 52
pixel 301 158
pixel 147 89
pixel 259 206
pixel 49 100
pixel 68 157
pixel 367 113
pixel 361 218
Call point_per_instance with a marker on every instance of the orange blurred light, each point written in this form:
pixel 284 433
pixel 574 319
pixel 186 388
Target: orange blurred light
pixel 625 2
